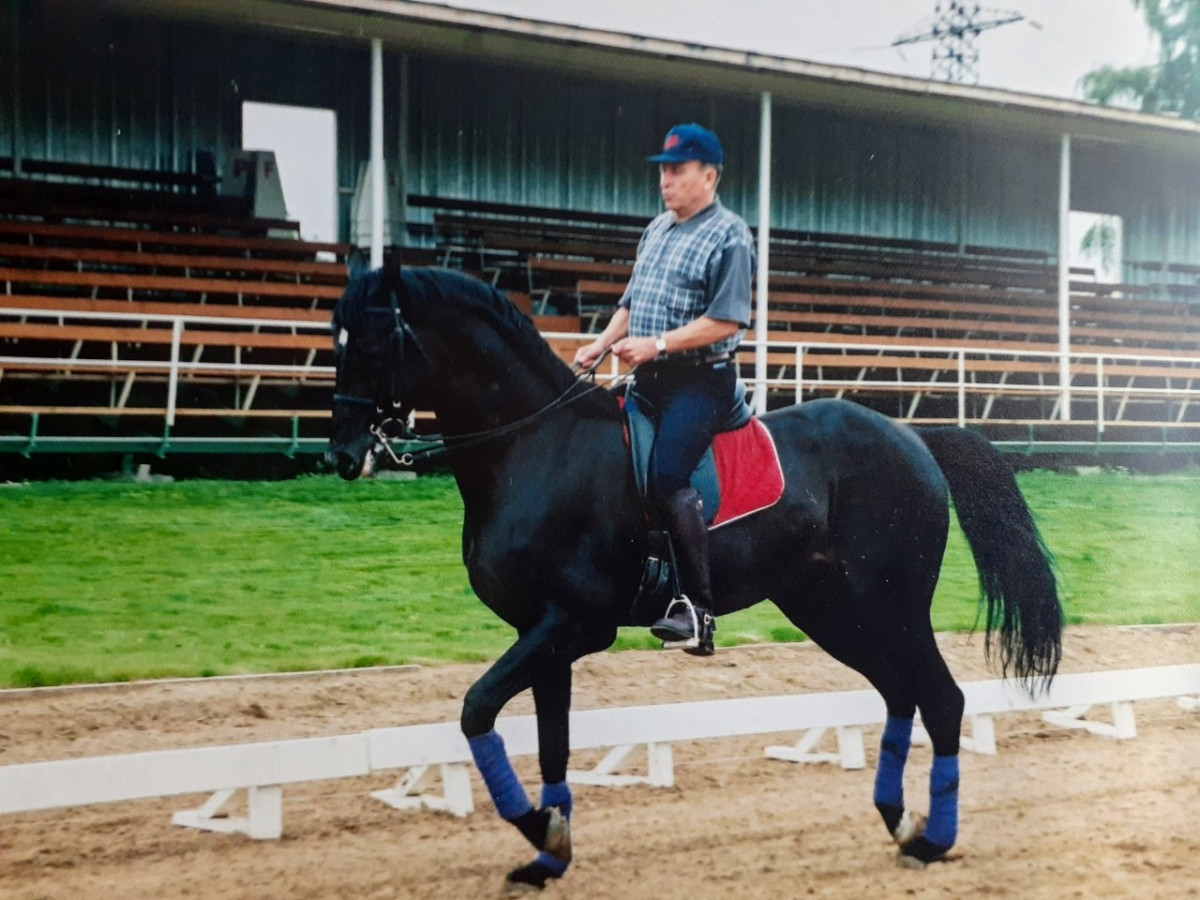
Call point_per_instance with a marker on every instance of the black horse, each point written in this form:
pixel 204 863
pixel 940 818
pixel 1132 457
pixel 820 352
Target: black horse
pixel 554 535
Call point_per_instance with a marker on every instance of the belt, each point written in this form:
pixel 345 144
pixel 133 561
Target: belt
pixel 697 360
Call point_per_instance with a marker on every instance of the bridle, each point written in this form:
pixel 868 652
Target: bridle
pixel 388 410
pixel 391 415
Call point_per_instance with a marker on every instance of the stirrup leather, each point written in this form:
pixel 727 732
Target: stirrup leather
pixel 697 624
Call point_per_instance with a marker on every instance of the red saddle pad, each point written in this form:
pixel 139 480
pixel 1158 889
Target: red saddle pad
pixel 748 472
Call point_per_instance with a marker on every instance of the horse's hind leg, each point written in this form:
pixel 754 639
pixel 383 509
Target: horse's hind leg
pixel 861 628
pixel 941 703
pixel 866 650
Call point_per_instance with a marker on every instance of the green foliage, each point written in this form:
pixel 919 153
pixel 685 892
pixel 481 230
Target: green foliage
pixel 1172 85
pixel 111 582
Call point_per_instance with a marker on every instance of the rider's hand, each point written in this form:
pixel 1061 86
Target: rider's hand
pixel 587 355
pixel 633 351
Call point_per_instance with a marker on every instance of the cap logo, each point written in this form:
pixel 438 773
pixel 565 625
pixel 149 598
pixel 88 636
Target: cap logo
pixel 671 142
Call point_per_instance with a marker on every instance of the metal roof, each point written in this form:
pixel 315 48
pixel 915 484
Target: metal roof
pixel 431 28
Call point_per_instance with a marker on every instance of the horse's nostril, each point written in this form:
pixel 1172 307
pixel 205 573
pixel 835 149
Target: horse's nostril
pixel 346 465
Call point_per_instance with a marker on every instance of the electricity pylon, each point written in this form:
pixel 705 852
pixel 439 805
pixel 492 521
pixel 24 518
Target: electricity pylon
pixel 954 27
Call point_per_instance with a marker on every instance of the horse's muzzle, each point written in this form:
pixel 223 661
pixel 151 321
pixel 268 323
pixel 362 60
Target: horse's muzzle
pixel 348 465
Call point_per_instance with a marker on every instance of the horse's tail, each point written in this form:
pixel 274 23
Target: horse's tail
pixel 1016 578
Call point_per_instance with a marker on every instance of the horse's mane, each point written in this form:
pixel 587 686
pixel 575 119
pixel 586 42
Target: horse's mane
pixel 463 295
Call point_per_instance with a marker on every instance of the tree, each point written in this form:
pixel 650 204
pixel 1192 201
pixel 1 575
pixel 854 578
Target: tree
pixel 1172 85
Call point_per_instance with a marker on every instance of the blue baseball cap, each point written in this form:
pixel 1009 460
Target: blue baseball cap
pixel 688 142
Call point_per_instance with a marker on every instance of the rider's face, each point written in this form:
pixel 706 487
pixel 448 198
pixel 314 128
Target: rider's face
pixel 688 187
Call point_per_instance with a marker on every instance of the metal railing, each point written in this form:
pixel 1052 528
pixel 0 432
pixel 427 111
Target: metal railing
pixel 807 377
pixel 174 365
pixel 956 371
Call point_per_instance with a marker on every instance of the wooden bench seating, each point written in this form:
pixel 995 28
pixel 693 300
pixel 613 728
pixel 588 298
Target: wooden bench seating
pixel 143 239
pixel 1093 319
pixel 57 200
pixel 518 246
pixel 784 254
pixel 879 242
pixel 189 265
pixel 310 294
pixel 522 211
pixel 202 181
pixel 453 224
pixel 161 308
pixel 144 335
pixel 573 270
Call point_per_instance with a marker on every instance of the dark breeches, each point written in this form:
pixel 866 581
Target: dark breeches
pixel 691 402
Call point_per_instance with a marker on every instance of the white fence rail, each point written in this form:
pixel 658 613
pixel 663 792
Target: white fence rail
pixel 956 372
pixel 424 751
pixel 1107 380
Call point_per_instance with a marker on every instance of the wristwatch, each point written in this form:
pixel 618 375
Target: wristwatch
pixel 660 345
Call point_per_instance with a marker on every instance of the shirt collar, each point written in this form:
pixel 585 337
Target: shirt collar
pixel 707 212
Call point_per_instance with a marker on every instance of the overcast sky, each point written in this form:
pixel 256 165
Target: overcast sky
pixel 1075 35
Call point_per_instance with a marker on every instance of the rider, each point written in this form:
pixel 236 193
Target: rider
pixel 678 324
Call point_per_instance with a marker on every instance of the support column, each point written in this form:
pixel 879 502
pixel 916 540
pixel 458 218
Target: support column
pixel 764 255
pixel 1064 276
pixel 377 170
pixel 18 139
pixel 400 216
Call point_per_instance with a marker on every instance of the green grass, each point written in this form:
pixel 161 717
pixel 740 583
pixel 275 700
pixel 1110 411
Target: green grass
pixel 113 581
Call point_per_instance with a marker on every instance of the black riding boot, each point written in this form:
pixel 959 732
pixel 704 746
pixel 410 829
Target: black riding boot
pixel 689 537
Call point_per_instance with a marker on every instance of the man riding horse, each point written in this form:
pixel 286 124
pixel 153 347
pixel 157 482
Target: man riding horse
pixel 679 323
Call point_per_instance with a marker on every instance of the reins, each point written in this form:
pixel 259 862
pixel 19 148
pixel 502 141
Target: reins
pixel 437 444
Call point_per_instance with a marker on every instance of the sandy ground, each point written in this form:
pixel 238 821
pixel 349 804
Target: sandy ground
pixel 1054 814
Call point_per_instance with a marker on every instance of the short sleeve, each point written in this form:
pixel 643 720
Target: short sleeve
pixel 730 273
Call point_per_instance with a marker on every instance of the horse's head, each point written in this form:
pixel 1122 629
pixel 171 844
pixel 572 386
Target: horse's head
pixel 375 383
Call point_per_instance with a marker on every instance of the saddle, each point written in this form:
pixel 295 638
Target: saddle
pixel 642 421
pixel 738 475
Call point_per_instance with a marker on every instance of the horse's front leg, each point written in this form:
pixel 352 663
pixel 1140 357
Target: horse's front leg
pixel 552 698
pixel 541 658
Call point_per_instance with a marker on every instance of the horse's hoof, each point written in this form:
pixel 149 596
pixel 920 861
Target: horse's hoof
pixel 910 827
pixel 904 861
pixel 532 877
pixel 921 851
pixel 558 836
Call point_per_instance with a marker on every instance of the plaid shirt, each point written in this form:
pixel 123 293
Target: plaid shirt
pixel 699 267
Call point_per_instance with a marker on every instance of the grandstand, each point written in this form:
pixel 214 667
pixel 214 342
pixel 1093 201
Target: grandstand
pixel 148 310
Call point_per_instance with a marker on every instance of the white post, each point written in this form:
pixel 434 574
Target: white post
pixel 799 373
pixel 377 173
pixel 962 389
pixel 764 254
pixel 1064 276
pixel 173 378
pixel 400 215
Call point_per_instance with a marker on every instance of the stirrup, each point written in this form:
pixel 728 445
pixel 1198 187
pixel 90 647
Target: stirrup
pixel 701 628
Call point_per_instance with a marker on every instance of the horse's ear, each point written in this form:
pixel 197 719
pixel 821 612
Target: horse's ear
pixel 356 264
pixel 392 264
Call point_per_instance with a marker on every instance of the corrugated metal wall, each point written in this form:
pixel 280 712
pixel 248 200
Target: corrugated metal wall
pixel 149 93
pixel 512 135
pixel 146 93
